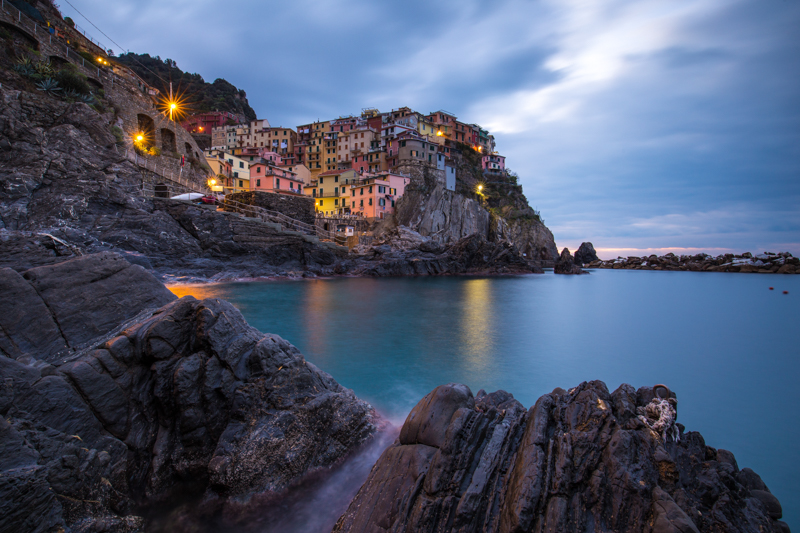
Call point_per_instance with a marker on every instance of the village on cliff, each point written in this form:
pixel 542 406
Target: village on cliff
pixel 353 165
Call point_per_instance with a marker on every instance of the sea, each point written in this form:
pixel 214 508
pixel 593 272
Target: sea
pixel 727 344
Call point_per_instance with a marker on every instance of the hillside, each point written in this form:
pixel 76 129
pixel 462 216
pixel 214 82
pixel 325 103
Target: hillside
pixel 200 95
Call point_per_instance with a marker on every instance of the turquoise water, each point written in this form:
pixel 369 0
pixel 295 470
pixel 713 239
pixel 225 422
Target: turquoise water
pixel 728 346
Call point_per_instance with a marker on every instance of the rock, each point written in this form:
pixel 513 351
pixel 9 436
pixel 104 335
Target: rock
pixel 446 217
pixel 410 254
pixel 90 295
pixel 770 502
pixel 188 400
pixel 585 254
pixel 27 326
pixel 578 460
pixel 565 264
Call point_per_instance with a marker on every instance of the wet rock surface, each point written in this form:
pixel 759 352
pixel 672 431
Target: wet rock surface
pixel 186 399
pixel 766 263
pixel 578 460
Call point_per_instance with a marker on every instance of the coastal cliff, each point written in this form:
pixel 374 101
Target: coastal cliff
pixel 117 397
pixel 579 460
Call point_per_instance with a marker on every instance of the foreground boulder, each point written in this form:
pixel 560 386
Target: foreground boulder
pixel 579 460
pixel 188 400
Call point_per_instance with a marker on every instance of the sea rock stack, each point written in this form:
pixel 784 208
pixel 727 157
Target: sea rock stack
pixel 566 265
pixel 585 254
pixel 578 460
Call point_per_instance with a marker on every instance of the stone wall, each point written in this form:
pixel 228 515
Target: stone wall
pixel 122 88
pixel 298 207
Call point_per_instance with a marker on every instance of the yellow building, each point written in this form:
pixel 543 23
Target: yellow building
pixel 331 191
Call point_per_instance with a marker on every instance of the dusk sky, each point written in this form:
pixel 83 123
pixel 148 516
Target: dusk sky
pixel 641 126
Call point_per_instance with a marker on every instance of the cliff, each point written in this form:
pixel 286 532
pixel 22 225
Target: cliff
pixel 578 460
pixel 499 212
pixel 116 397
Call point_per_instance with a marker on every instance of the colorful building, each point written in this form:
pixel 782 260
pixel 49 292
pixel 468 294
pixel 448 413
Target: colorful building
pixel 375 196
pixel 493 163
pixel 270 178
pixel 331 189
pixel 206 122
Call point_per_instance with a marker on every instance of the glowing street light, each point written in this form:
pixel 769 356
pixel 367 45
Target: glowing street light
pixel 480 188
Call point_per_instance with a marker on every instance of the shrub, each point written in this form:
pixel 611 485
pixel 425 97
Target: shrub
pixel 72 80
pixel 118 134
pixel 155 150
pixel 69 21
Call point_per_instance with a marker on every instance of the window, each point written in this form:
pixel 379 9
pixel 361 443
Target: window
pixel 402 143
pixel 258 170
pixel 361 203
pixel 336 191
pixel 336 179
pixel 370 189
pixel 336 202
pixel 313 193
pixel 320 202
pixel 353 191
pixel 392 202
pixel 370 201
pixel 321 193
pixel 241 165
pixel 258 183
pixel 277 183
pixel 235 174
pixel 382 201
pixel 362 191
pixel 241 183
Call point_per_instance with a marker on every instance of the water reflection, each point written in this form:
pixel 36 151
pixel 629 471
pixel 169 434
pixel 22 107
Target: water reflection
pixel 316 312
pixel 477 325
pixel 198 291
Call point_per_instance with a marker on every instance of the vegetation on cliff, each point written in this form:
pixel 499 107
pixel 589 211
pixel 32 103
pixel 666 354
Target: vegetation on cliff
pixel 202 96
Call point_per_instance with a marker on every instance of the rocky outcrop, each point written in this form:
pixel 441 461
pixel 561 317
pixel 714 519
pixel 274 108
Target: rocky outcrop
pixel 441 215
pixel 566 265
pixel 181 400
pixel 446 217
pixel 579 460
pixel 530 236
pixel 585 254
pixel 766 263
pixel 404 252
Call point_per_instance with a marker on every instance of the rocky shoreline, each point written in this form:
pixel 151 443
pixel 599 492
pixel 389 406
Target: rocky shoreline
pixel 766 263
pixel 580 460
pixel 119 403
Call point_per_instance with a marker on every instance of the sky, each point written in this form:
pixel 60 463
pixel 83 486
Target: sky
pixel 642 126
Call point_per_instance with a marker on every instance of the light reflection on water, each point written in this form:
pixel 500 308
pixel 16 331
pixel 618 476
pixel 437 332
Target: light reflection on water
pixel 724 343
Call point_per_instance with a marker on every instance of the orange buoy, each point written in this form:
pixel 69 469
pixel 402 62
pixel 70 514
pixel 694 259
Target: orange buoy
pixel 785 292
pixel 772 288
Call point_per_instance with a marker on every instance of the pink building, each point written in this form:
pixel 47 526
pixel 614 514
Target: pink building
pixel 253 153
pixel 493 163
pixel 205 122
pixel 375 196
pixel 269 178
